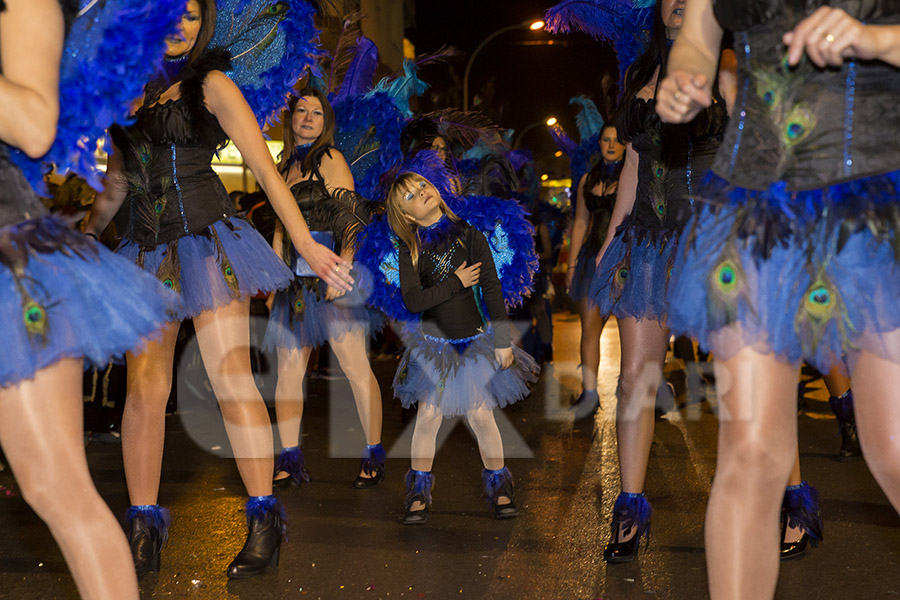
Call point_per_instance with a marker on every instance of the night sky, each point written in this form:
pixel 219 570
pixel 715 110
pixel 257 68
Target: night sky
pixel 531 81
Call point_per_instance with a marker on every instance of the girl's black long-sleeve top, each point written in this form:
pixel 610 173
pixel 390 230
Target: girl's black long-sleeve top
pixel 449 310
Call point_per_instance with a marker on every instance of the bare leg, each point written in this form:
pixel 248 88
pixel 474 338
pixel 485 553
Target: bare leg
pixel 591 327
pixel 224 338
pixel 41 433
pixel 144 418
pixel 876 384
pixel 757 450
pixel 350 350
pixel 490 445
pixel 289 393
pixel 837 381
pixel 644 345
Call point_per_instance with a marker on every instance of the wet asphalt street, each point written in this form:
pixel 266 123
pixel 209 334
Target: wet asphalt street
pixel 348 544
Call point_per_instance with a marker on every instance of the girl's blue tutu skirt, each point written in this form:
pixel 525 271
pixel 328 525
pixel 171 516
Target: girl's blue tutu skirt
pixel 815 297
pixel 456 376
pixel 302 318
pixel 66 296
pixel 227 261
pixel 633 274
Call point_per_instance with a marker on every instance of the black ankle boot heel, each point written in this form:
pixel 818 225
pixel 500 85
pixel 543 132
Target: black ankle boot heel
pixel 631 513
pixel 418 489
pixel 800 510
pixel 148 529
pixel 842 406
pixel 265 529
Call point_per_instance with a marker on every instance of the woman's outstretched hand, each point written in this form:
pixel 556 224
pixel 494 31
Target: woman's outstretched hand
pixel 828 36
pixel 328 266
pixel 682 95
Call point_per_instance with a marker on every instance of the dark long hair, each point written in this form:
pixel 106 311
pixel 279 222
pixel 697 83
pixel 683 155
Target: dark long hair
pixel 325 139
pixel 655 55
pixel 207 28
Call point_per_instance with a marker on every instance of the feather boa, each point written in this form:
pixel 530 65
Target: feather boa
pixel 110 53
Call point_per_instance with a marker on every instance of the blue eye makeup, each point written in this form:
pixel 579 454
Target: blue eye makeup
pixel 410 195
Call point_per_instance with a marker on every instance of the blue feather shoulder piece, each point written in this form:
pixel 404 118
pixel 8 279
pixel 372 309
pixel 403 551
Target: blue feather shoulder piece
pixel 112 50
pixel 271 44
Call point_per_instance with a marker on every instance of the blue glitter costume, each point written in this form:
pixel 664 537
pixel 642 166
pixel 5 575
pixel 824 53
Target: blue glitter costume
pixel 796 248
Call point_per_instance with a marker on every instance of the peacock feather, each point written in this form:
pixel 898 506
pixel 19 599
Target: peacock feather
pixel 169 271
pixel 34 314
pixel 820 306
pixel 726 285
pixel 225 266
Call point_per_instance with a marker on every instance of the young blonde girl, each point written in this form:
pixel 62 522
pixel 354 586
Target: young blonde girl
pixel 456 363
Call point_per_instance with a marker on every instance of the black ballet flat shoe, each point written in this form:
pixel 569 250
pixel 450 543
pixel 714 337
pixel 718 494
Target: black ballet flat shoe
pixel 586 406
pixel 794 550
pixel 292 463
pixel 499 484
pixel 372 464
pixel 800 510
pixel 148 530
pixel 631 513
pixel 418 489
pixel 265 529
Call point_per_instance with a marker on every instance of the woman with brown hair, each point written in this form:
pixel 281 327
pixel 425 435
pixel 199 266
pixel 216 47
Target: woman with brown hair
pixel 183 229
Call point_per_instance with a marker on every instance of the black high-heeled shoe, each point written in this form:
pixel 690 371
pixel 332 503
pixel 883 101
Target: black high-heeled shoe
pixel 498 484
pixel 842 406
pixel 148 529
pixel 372 465
pixel 631 513
pixel 265 528
pixel 800 510
pixel 291 461
pixel 418 489
pixel 586 405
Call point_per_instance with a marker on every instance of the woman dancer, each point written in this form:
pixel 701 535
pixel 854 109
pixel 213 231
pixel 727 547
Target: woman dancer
pixel 182 229
pixel 309 313
pixel 655 191
pixel 61 291
pixel 453 366
pixel 593 207
pixel 794 256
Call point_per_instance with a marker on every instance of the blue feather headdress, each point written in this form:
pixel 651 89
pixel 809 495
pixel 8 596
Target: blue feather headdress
pixel 272 44
pixel 623 23
pixel 586 153
pixel 112 49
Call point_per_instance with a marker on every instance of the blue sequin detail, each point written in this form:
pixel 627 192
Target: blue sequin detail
pixel 849 97
pixel 743 112
pixel 690 170
pixel 500 250
pixel 390 266
pixel 178 189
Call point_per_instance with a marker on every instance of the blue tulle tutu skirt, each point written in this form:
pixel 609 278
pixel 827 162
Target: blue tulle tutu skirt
pixel 229 260
pixel 66 296
pixel 814 297
pixel 456 376
pixel 633 274
pixel 302 318
pixel 585 271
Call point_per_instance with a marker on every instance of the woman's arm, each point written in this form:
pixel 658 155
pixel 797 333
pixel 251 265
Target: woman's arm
pixel 31 44
pixel 625 195
pixel 830 35
pixel 693 61
pixel 224 100
pixel 115 189
pixel 579 227
pixel 728 79
pixel 336 172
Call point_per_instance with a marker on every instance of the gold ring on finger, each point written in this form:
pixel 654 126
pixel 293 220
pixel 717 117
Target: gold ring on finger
pixel 676 96
pixel 829 38
pixel 337 268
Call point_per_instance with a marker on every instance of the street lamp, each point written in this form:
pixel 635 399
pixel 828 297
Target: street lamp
pixel 532 25
pixel 549 123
